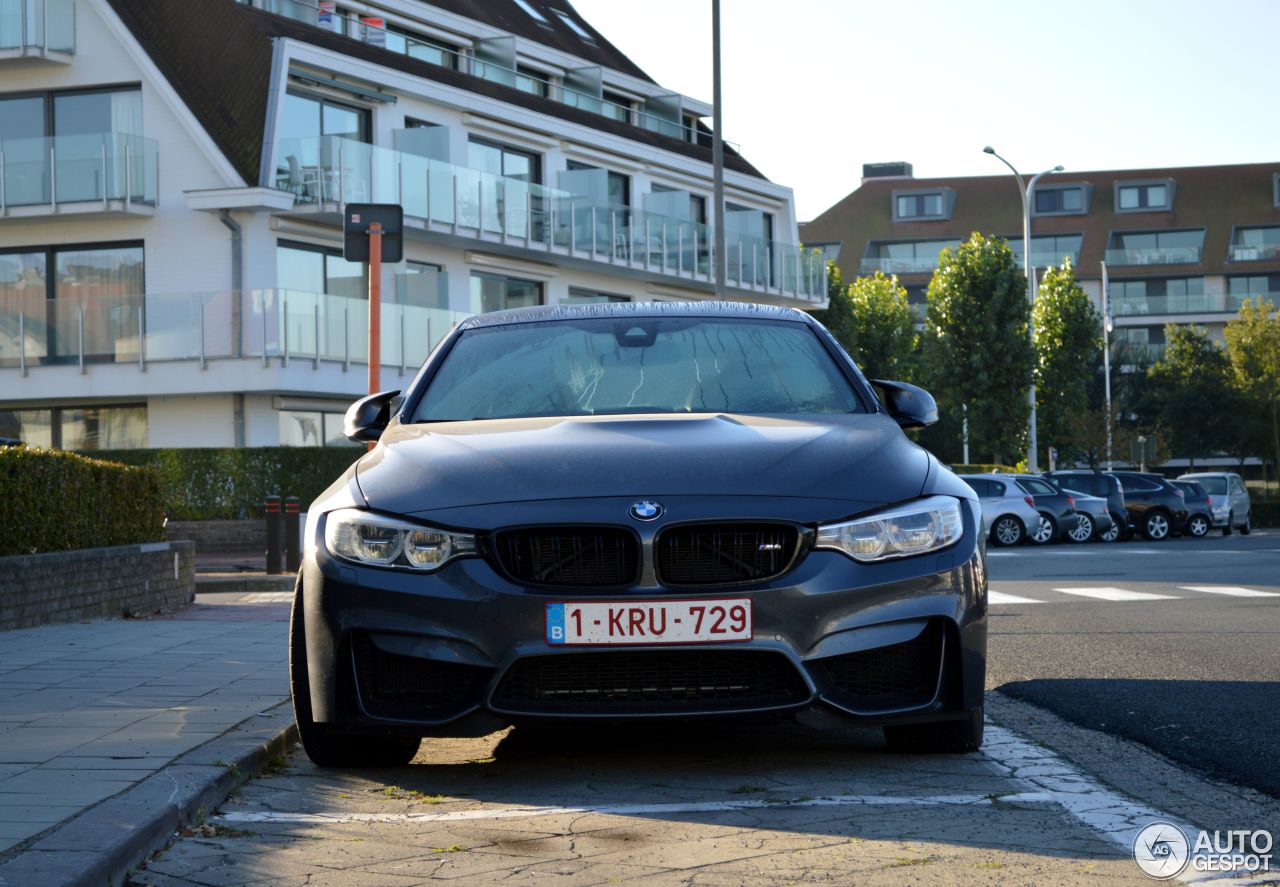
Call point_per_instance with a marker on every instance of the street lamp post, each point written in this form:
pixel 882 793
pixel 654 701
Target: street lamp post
pixel 1025 193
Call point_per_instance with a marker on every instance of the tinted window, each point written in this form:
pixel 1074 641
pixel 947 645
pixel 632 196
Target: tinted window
pixel 1236 485
pixel 1037 487
pixel 1215 486
pixel 1137 484
pixel 611 365
pixel 979 486
pixel 997 488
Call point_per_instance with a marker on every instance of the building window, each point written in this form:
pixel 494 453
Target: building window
pixel 1255 244
pixel 830 251
pixel 1143 343
pixel 905 257
pixel 1049 249
pixel 495 292
pixel 583 34
pixel 315 269
pixel 1144 196
pixel 418 47
pixel 617 185
pixel 1183 295
pixel 590 297
pixel 312 428
pixel 422 285
pixel 533 13
pixel 1155 247
pixel 1275 189
pixel 532 82
pixel 1259 286
pixel 922 205
pixel 306 162
pixel 114 427
pixel 1061 201
pixel 617 107
pixel 501 160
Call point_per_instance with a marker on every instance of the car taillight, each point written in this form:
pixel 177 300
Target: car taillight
pixel 1071 501
pixel 1029 501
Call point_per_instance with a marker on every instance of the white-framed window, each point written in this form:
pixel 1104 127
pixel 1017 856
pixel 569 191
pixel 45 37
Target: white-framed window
pixel 1135 197
pixel 1061 200
pixel 912 206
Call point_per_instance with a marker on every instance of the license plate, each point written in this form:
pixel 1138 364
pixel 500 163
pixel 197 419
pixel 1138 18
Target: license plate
pixel 648 622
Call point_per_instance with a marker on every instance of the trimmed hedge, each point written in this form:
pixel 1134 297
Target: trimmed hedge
pixel 209 484
pixel 1264 514
pixel 51 500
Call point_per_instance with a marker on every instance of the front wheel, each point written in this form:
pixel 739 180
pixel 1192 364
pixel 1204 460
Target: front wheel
pixel 1231 519
pixel 1248 525
pixel 1155 526
pixel 944 737
pixel 327 749
pixel 1113 532
pixel 1045 530
pixel 1197 526
pixel 1083 530
pixel 1008 530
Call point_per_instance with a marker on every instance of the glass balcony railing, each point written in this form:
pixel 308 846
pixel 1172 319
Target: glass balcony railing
pixel 40 25
pixel 463 200
pixel 1164 255
pixel 901 265
pixel 1195 303
pixel 270 324
pixel 1258 252
pixel 93 168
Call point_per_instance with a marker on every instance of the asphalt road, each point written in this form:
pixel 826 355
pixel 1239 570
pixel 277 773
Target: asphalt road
pixel 1191 670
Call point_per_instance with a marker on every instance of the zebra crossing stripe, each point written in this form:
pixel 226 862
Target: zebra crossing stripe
pixel 1117 594
pixel 1232 590
pixel 999 597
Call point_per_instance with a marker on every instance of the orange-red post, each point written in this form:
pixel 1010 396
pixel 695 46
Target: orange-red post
pixel 375 309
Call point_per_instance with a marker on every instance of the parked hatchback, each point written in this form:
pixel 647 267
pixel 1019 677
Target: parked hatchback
pixel 1156 507
pixel 1093 518
pixel 1229 499
pixel 1057 509
pixel 1095 483
pixel 1199 508
pixel 1009 515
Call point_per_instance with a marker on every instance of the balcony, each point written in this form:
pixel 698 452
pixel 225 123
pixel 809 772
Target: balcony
pixel 903 265
pixel 444 201
pixel 1189 303
pixel 42 30
pixel 273 324
pixel 1163 255
pixel 104 173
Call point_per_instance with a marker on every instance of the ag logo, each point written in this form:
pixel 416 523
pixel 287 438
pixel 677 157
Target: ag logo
pixel 646 510
pixel 1161 850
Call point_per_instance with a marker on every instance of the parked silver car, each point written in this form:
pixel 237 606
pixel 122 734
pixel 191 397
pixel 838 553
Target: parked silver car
pixel 1095 518
pixel 1228 498
pixel 1008 514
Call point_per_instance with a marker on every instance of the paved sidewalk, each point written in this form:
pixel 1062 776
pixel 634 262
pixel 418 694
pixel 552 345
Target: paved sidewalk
pixel 89 710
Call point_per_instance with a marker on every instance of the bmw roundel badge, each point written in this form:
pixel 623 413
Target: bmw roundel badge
pixel 646 510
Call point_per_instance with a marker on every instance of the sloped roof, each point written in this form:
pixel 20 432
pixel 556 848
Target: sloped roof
pixel 217 56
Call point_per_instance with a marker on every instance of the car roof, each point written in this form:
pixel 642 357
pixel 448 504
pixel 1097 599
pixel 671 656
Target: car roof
pixel 545 313
pixel 1207 474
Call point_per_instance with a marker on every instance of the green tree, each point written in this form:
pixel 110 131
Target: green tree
pixel 873 322
pixel 1068 344
pixel 839 310
pixel 976 347
pixel 1191 390
pixel 1253 344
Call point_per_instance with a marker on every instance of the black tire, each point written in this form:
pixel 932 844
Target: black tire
pixel 1008 530
pixel 1084 530
pixel 1231 519
pixel 1198 526
pixel 1114 533
pixel 1248 524
pixel 945 737
pixel 327 749
pixel 1046 532
pixel 1156 526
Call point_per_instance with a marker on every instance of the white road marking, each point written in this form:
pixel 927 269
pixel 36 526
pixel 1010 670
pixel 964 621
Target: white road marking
pixel 999 597
pixel 1232 590
pixel 1117 594
pixel 622 809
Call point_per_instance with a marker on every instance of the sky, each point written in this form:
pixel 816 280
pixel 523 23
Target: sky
pixel 813 89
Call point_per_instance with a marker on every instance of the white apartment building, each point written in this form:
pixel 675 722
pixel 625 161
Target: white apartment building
pixel 173 174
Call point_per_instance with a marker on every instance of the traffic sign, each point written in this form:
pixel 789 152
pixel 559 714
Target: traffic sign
pixel 355 229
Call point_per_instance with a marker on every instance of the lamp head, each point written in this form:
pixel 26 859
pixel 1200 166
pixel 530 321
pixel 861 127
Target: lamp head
pixel 1058 168
pixel 988 150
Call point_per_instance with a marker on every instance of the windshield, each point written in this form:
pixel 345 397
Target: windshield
pixel 608 366
pixel 1214 486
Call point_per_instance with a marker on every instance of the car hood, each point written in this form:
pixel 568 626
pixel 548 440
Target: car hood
pixel 863 460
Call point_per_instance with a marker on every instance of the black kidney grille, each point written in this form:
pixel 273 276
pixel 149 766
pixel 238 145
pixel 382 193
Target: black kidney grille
pixel 724 554
pixel 592 556
pixel 899 676
pixel 392 685
pixel 650 681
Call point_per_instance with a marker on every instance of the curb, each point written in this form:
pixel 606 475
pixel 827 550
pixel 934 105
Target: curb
pixel 100 847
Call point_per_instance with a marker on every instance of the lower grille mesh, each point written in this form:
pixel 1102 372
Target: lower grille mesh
pixel 398 686
pixel 900 676
pixel 650 681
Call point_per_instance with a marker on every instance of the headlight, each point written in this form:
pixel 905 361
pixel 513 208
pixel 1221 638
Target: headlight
pixel 905 530
pixel 368 538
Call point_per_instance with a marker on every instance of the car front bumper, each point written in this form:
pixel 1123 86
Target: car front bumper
pixel 464 651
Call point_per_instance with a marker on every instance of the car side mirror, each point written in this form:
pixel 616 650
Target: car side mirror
pixel 910 405
pixel 368 417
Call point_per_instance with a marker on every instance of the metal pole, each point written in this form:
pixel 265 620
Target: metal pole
pixel 284 330
pixel 1106 359
pixel 204 364
pixel 315 360
pixel 346 338
pixel 717 150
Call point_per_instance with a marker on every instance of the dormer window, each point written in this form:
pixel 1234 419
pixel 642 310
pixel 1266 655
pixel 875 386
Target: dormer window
pixel 1062 200
pixel 533 13
pixel 1150 196
pixel 569 23
pixel 914 206
pixel 1275 189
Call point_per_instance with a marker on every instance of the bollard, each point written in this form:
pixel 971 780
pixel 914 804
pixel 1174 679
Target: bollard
pixel 272 506
pixel 292 554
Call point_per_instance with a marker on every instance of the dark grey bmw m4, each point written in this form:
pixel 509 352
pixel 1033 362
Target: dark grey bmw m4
pixel 650 511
